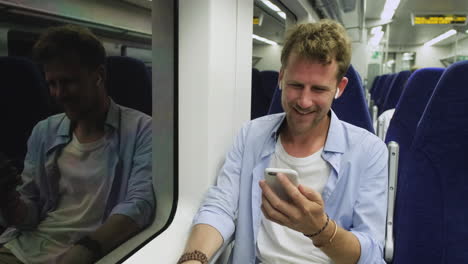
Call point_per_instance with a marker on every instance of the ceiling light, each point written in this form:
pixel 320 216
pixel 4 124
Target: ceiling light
pixel 389 9
pixel 271 5
pixel 377 35
pixel 265 40
pixel 440 37
pixel 407 56
pixel 375 40
pixel 282 14
pixel 374 30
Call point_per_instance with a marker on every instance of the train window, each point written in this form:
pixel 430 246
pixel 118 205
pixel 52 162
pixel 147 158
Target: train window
pixel 141 53
pixel 20 43
pixel 79 216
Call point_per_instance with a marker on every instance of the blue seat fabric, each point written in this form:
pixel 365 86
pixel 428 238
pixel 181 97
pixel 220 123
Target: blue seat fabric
pixel 378 87
pixel 384 90
pixel 23 102
pixel 374 85
pixel 263 93
pixel 395 90
pixel 432 198
pixel 25 98
pixel 128 83
pixel 256 95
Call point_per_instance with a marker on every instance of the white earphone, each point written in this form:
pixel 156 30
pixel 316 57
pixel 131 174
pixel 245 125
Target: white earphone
pixel 337 93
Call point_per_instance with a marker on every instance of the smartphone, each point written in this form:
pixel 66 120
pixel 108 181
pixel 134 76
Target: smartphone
pixel 275 185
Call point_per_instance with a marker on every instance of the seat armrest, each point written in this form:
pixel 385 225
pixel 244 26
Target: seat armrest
pixel 375 111
pixel 221 256
pixel 393 155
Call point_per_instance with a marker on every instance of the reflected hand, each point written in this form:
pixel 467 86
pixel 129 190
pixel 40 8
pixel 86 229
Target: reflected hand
pixel 77 255
pixel 305 213
pixel 9 179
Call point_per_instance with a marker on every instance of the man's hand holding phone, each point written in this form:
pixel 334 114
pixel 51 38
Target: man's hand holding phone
pixel 304 212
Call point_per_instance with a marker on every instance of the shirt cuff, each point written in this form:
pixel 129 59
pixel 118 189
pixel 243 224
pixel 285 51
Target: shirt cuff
pixel 140 211
pixel 370 251
pixel 221 222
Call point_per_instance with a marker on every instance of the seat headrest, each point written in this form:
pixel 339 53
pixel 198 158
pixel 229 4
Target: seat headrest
pixel 23 103
pixel 129 83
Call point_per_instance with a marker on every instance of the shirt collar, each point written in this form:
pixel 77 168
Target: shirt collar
pixel 335 138
pixel 336 141
pixel 276 128
pixel 112 120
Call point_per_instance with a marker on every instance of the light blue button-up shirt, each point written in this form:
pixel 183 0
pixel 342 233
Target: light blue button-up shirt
pixel 129 166
pixel 355 195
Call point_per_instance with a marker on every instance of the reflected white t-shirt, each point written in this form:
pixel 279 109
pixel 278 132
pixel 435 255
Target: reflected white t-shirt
pixel 277 244
pixel 83 190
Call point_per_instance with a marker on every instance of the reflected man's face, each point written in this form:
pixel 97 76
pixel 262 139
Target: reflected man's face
pixel 78 90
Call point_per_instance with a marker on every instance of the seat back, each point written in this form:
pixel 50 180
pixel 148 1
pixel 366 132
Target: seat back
pixel 350 107
pixel 129 83
pixel 432 197
pixel 395 90
pixel 374 84
pixel 264 93
pixel 384 90
pixel 256 95
pixel 377 86
pixel 23 103
pixel 411 105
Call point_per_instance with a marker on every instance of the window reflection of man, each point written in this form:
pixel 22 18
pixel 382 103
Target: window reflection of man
pixel 87 176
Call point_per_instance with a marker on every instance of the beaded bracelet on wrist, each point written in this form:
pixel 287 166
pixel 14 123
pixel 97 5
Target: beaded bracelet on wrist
pixel 195 255
pixel 321 229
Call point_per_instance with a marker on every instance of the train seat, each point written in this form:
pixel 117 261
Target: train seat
pixel 350 107
pixel 410 107
pixel 431 206
pixel 129 83
pixel 150 72
pixel 402 127
pixel 264 93
pixel 256 95
pixel 395 90
pixel 384 90
pixel 374 84
pixel 23 103
pixel 377 86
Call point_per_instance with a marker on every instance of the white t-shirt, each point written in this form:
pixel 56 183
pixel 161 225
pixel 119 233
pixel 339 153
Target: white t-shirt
pixel 280 244
pixel 83 190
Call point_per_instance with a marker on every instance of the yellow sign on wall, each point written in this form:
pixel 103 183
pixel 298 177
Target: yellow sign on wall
pixel 256 20
pixel 439 19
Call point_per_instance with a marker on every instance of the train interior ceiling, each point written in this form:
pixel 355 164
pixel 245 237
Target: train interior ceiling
pixel 124 26
pixel 384 42
pixel 380 45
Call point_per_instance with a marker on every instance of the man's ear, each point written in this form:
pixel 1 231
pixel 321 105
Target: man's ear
pixel 101 75
pixel 280 77
pixel 341 87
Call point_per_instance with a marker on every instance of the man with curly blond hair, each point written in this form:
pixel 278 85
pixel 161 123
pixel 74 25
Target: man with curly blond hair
pixel 337 212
